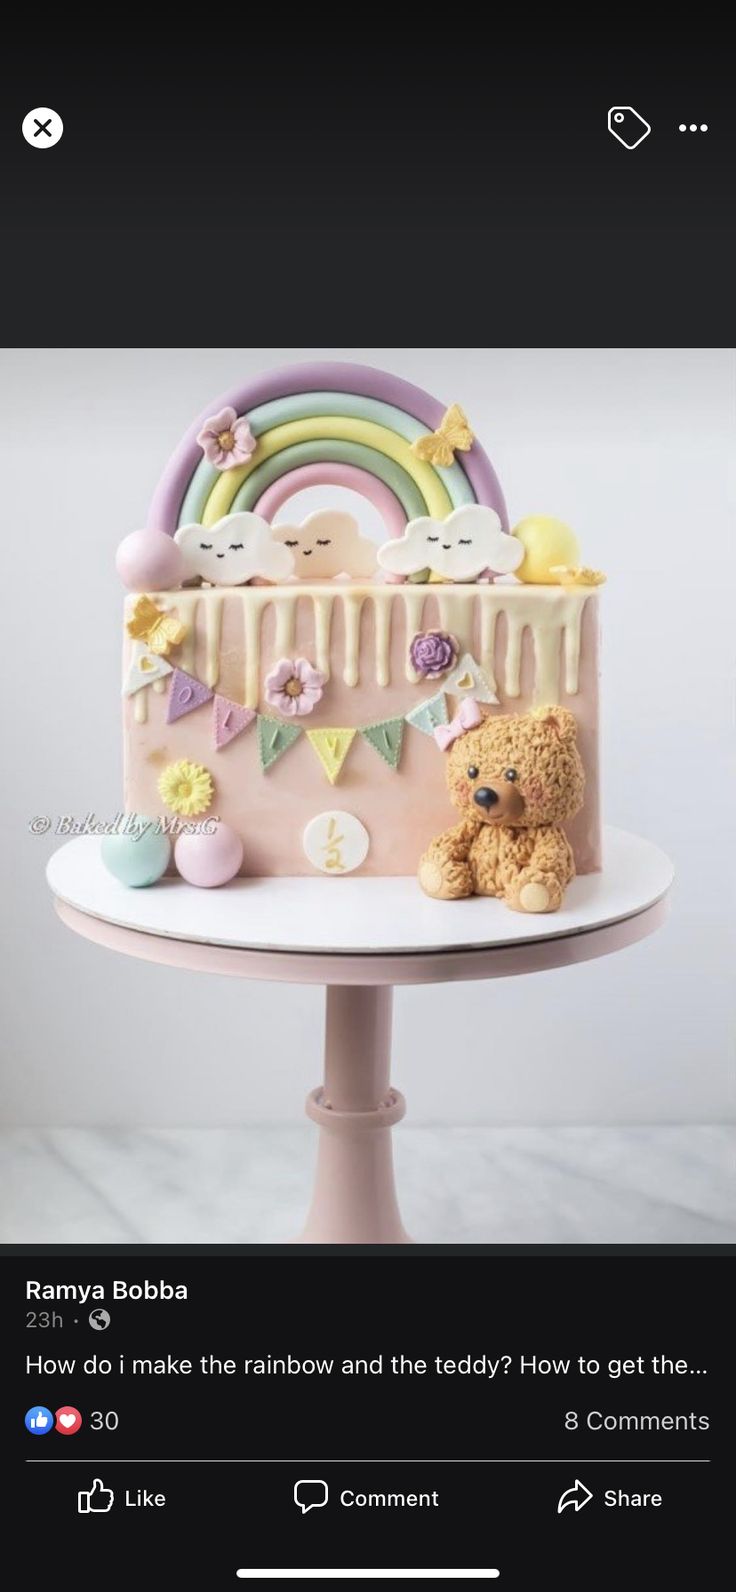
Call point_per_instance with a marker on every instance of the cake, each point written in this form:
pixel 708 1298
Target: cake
pixel 293 680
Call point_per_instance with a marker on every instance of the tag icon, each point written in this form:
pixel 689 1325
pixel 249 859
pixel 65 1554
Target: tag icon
pixel 628 126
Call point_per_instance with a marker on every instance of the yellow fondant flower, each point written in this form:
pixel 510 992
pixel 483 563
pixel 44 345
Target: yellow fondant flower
pixel 186 788
pixel 159 630
pixel 578 575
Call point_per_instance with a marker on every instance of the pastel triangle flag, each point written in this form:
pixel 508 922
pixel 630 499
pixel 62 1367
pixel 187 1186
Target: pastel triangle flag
pixel 468 679
pixel 185 695
pixel 429 715
pixel 229 719
pixel 145 666
pixel 274 738
pixel 332 747
pixel 386 738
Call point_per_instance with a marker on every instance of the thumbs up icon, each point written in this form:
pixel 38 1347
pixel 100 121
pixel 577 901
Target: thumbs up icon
pixel 39 1421
pixel 97 1501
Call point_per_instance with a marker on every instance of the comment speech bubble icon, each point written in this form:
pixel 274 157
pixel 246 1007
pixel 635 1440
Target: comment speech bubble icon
pixel 310 1494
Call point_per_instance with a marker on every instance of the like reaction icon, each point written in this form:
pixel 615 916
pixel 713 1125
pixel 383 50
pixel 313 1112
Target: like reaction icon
pixel 98 1501
pixel 39 1421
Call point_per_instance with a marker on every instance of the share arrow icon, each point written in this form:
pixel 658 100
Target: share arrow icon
pixel 578 1496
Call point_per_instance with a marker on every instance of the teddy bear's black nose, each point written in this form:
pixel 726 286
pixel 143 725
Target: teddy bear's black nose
pixel 485 797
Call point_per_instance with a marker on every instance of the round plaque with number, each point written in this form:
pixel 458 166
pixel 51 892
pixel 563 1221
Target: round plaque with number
pixel 336 842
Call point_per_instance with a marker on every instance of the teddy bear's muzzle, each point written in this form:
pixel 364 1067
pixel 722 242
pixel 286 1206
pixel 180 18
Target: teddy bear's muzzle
pixel 504 805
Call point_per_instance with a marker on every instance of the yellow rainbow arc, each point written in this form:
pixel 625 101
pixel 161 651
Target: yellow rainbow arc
pixel 338 428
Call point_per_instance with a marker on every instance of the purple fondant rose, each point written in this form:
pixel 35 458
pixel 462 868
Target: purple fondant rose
pixel 433 652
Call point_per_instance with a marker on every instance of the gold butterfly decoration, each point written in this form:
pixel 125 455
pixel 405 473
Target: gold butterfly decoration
pixel 452 436
pixel 157 629
pixel 579 575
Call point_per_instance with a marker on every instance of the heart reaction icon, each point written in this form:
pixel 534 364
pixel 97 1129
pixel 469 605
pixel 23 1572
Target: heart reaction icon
pixel 68 1420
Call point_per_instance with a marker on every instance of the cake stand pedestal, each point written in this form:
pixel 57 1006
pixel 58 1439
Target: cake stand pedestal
pixel 359 937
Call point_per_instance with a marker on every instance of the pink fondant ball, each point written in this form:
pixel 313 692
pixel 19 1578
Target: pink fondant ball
pixel 149 561
pixel 209 859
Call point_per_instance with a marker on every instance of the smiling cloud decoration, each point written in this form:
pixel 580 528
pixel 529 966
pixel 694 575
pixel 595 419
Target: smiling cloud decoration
pixel 460 548
pixel 235 550
pixel 328 543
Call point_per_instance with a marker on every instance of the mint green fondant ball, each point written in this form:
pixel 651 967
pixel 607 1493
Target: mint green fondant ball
pixel 137 861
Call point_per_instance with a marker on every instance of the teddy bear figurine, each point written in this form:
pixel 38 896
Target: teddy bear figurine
pixel 515 779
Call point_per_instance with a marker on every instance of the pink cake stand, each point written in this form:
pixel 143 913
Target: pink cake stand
pixel 359 937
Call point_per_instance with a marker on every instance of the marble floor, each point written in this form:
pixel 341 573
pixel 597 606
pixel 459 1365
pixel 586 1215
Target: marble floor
pixel 456 1185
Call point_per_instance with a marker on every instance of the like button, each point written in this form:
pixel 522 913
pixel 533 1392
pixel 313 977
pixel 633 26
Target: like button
pixel 98 1500
pixel 39 1421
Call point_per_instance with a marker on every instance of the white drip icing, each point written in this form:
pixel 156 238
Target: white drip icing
pixel 187 604
pixel 414 599
pixel 285 626
pixel 457 615
pixel 352 609
pixel 322 625
pixel 253 604
pixel 213 630
pixel 383 609
pixel 488 621
pixel 572 648
pixel 512 662
pixel 552 615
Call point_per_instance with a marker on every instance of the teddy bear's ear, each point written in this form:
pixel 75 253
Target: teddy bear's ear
pixel 559 719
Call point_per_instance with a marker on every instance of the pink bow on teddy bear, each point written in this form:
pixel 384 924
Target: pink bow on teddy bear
pixel 468 717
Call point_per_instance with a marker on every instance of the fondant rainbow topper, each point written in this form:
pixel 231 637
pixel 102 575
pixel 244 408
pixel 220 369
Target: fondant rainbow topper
pixel 326 424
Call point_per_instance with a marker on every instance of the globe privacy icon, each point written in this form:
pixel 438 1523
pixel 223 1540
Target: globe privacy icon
pixel 628 126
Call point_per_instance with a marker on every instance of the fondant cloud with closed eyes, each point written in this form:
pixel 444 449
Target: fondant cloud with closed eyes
pixel 459 548
pixel 328 543
pixel 236 549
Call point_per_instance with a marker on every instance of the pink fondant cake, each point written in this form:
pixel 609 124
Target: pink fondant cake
pixel 296 681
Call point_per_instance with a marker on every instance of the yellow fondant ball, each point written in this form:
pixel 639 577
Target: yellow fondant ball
pixel 546 542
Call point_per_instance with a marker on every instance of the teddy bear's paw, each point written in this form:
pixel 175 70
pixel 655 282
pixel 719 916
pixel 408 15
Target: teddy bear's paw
pixel 446 881
pixel 536 895
pixel 534 898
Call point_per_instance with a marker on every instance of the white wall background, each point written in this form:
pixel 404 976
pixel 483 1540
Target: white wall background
pixel 632 448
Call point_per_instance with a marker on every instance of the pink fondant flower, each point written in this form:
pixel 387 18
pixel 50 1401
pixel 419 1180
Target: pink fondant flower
pixel 227 440
pixel 294 686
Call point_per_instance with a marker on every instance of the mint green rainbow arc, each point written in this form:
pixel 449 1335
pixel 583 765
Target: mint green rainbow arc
pixel 452 484
pixel 336 452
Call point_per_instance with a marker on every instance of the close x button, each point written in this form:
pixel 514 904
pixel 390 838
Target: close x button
pixel 42 127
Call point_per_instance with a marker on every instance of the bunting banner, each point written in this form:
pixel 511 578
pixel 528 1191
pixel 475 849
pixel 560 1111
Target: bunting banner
pixel 332 747
pixel 386 739
pixel 469 680
pixel 185 695
pixel 145 667
pixel 228 720
pixel 274 738
pixel 428 716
